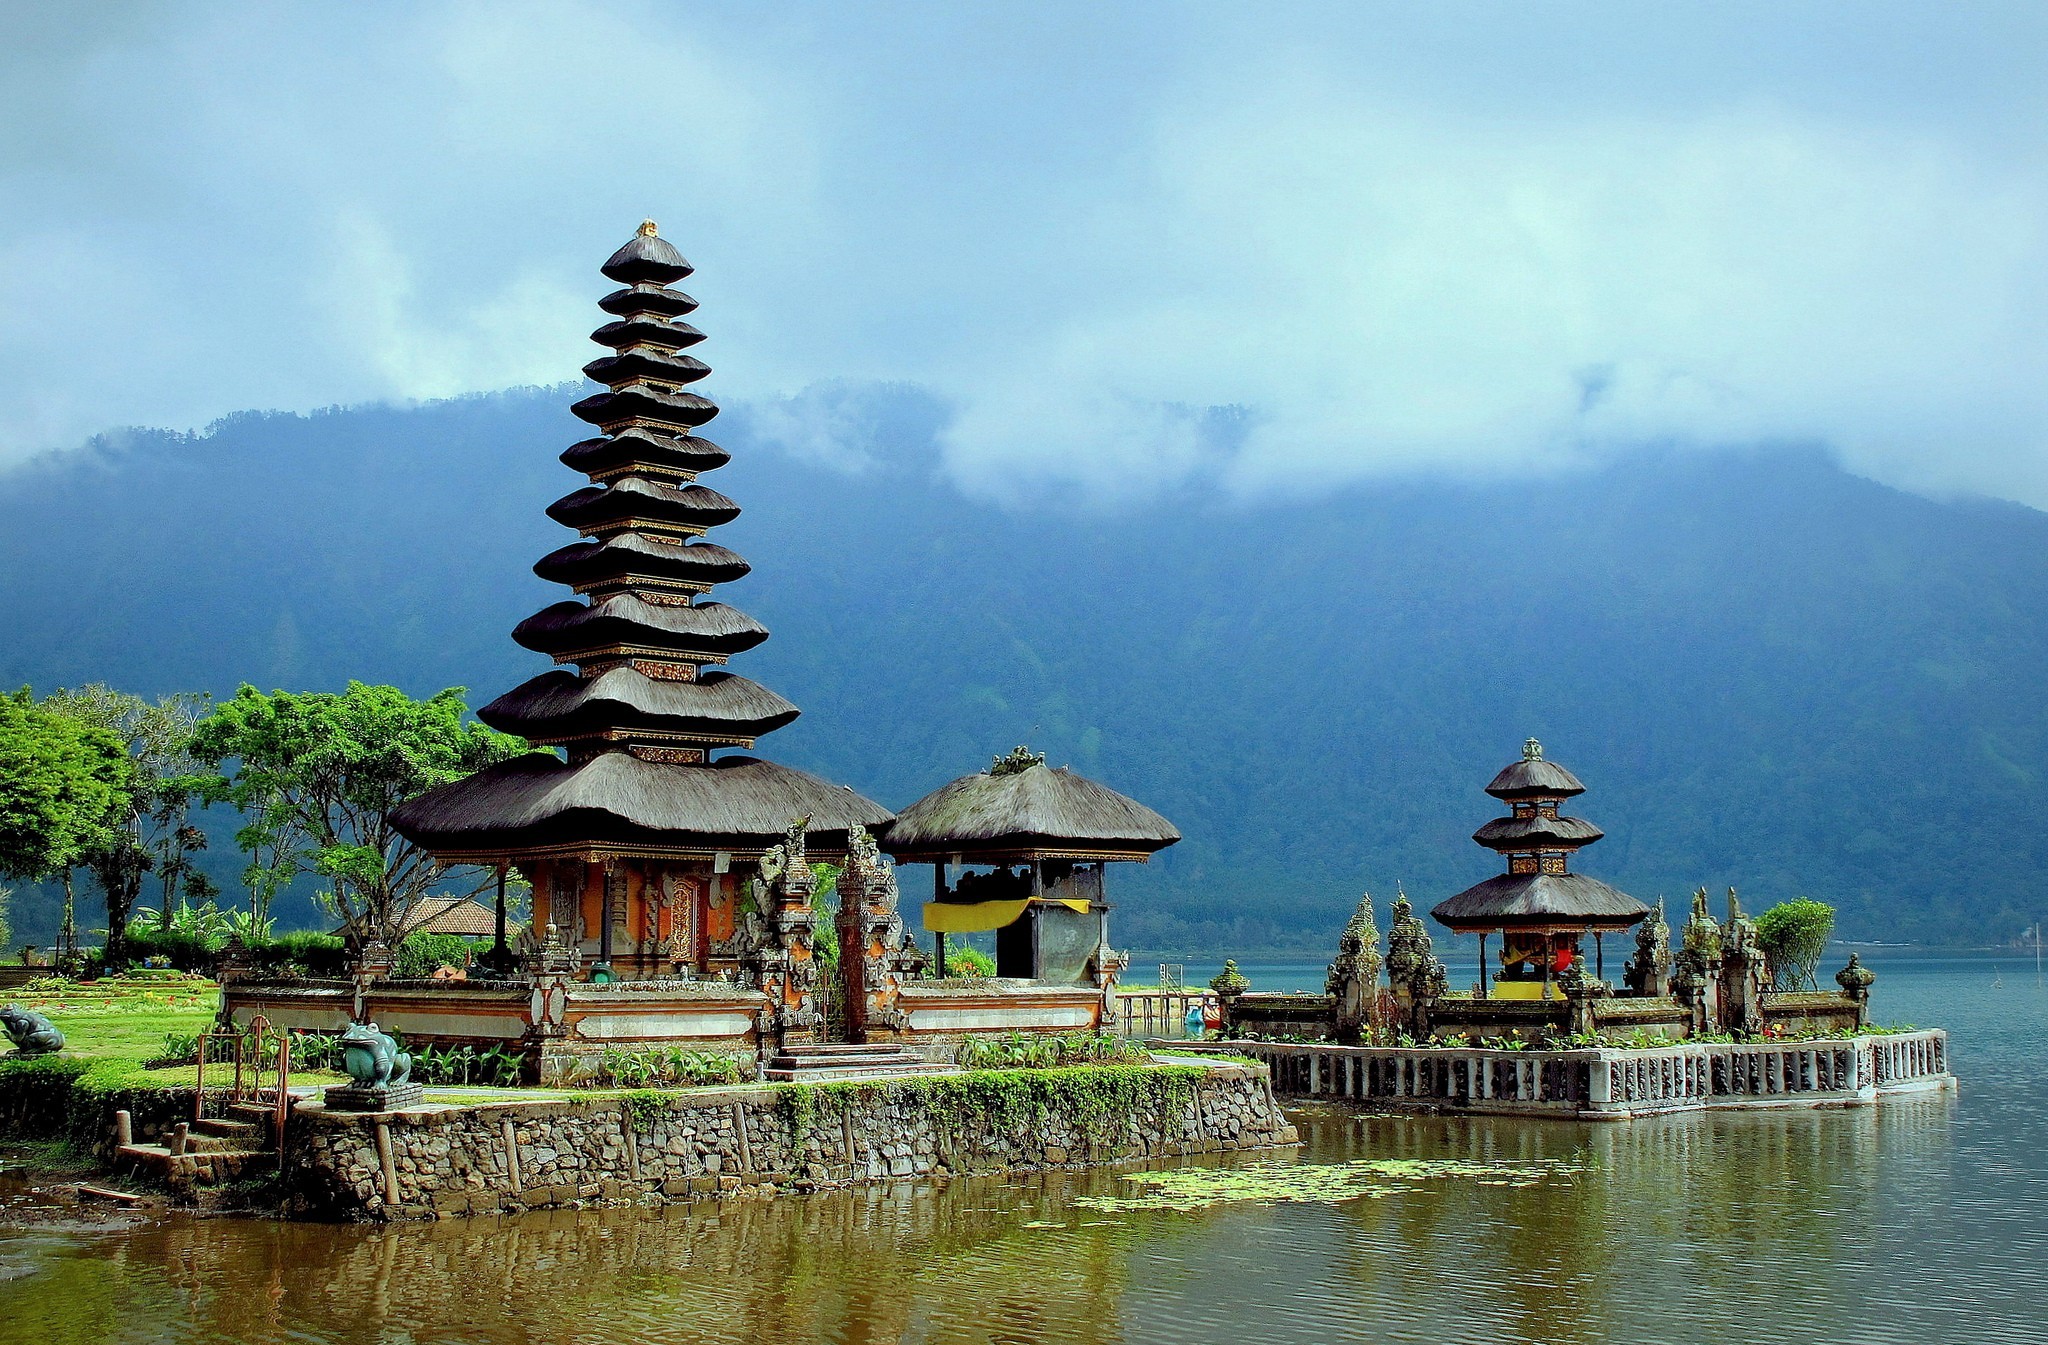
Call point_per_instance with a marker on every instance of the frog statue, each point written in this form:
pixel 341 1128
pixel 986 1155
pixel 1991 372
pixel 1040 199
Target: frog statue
pixel 31 1033
pixel 372 1058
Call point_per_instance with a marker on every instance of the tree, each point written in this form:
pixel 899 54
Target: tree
pixel 155 833
pixel 1794 935
pixel 317 775
pixel 65 789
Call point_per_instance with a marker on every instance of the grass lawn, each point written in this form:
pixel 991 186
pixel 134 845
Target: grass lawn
pixel 118 1023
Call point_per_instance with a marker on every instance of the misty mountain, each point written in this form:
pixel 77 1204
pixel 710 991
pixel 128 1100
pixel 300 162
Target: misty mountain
pixel 1769 673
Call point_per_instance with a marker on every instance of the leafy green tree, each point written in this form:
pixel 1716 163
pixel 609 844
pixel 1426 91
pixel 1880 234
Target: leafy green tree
pixel 65 789
pixel 155 834
pixel 6 930
pixel 1794 935
pixel 317 775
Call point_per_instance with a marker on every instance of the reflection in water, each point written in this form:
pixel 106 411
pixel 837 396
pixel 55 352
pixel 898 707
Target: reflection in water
pixel 1915 1221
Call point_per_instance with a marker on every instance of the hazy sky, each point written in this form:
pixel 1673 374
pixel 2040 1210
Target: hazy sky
pixel 1467 237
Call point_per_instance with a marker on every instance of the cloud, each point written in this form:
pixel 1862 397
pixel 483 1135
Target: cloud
pixel 1386 292
pixel 1127 249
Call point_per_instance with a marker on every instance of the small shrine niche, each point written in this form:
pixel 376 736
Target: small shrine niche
pixel 1022 850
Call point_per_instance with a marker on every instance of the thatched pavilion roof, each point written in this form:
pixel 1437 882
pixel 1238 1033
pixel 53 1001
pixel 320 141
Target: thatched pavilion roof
pixel 1535 900
pixel 1039 813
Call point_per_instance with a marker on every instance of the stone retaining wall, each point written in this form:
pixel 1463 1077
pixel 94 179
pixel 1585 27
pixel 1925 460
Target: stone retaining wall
pixel 498 1156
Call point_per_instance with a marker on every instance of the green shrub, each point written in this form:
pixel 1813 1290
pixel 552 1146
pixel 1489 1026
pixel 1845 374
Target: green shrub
pixel 1025 1050
pixel 464 1065
pixel 967 960
pixel 308 951
pixel 1794 935
pixel 663 1067
pixel 421 954
pixel 181 947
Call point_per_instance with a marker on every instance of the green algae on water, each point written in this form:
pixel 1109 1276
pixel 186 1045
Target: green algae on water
pixel 1189 1189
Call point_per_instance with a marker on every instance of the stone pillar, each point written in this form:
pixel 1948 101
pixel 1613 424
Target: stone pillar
pixel 1354 978
pixel 1743 974
pixel 876 955
pixel 783 961
pixel 1856 980
pixel 1228 985
pixel 1416 974
pixel 1697 982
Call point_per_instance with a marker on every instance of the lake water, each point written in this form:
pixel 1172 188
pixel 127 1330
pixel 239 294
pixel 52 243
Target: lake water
pixel 1921 1220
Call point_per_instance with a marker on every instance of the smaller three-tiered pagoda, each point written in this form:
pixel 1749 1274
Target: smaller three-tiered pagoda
pixel 1541 909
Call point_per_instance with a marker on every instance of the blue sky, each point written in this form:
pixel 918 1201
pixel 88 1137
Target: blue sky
pixel 1462 238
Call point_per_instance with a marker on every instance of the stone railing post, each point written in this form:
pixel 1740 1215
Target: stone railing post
pixel 1228 985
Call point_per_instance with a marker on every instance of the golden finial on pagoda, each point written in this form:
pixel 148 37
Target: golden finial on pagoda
pixel 647 228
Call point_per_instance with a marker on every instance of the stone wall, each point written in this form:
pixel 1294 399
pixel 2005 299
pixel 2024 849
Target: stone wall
pixel 465 1159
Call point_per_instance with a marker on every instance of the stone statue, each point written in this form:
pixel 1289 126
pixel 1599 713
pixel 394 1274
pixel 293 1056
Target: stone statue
pixel 1649 971
pixel 33 1034
pixel 1580 990
pixel 380 1075
pixel 1354 979
pixel 372 1058
pixel 1856 980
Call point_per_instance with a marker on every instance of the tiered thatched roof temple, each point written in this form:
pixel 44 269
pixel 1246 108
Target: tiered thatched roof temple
pixel 636 843
pixel 1540 908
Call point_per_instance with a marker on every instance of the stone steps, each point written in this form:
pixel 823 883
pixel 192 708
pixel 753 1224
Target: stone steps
pixel 208 1153
pixel 823 1063
pixel 194 1168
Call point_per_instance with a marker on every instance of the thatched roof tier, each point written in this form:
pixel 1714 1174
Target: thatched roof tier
pixel 626 554
pixel 643 450
pixel 1540 901
pixel 636 499
pixel 559 706
pixel 648 299
pixel 624 624
pixel 1534 833
pixel 647 258
pixel 637 402
pixel 646 331
pixel 660 366
pixel 1038 813
pixel 1535 778
pixel 617 803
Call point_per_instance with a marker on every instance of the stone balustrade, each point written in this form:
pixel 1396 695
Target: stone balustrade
pixel 1601 1083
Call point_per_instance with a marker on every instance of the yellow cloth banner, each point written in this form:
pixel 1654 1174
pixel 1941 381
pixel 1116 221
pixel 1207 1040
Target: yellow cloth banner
pixel 972 917
pixel 1524 990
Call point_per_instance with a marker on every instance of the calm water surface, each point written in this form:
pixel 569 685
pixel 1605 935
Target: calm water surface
pixel 1921 1220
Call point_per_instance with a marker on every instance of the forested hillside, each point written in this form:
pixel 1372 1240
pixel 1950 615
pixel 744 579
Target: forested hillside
pixel 1768 672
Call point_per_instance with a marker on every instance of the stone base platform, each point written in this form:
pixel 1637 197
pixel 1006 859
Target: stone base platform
pixel 388 1097
pixel 487 1156
pixel 1603 1084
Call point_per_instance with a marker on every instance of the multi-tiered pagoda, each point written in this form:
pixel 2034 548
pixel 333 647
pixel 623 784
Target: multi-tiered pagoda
pixel 1542 910
pixel 639 839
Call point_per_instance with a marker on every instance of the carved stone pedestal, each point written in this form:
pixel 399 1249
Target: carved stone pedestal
pixel 389 1097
